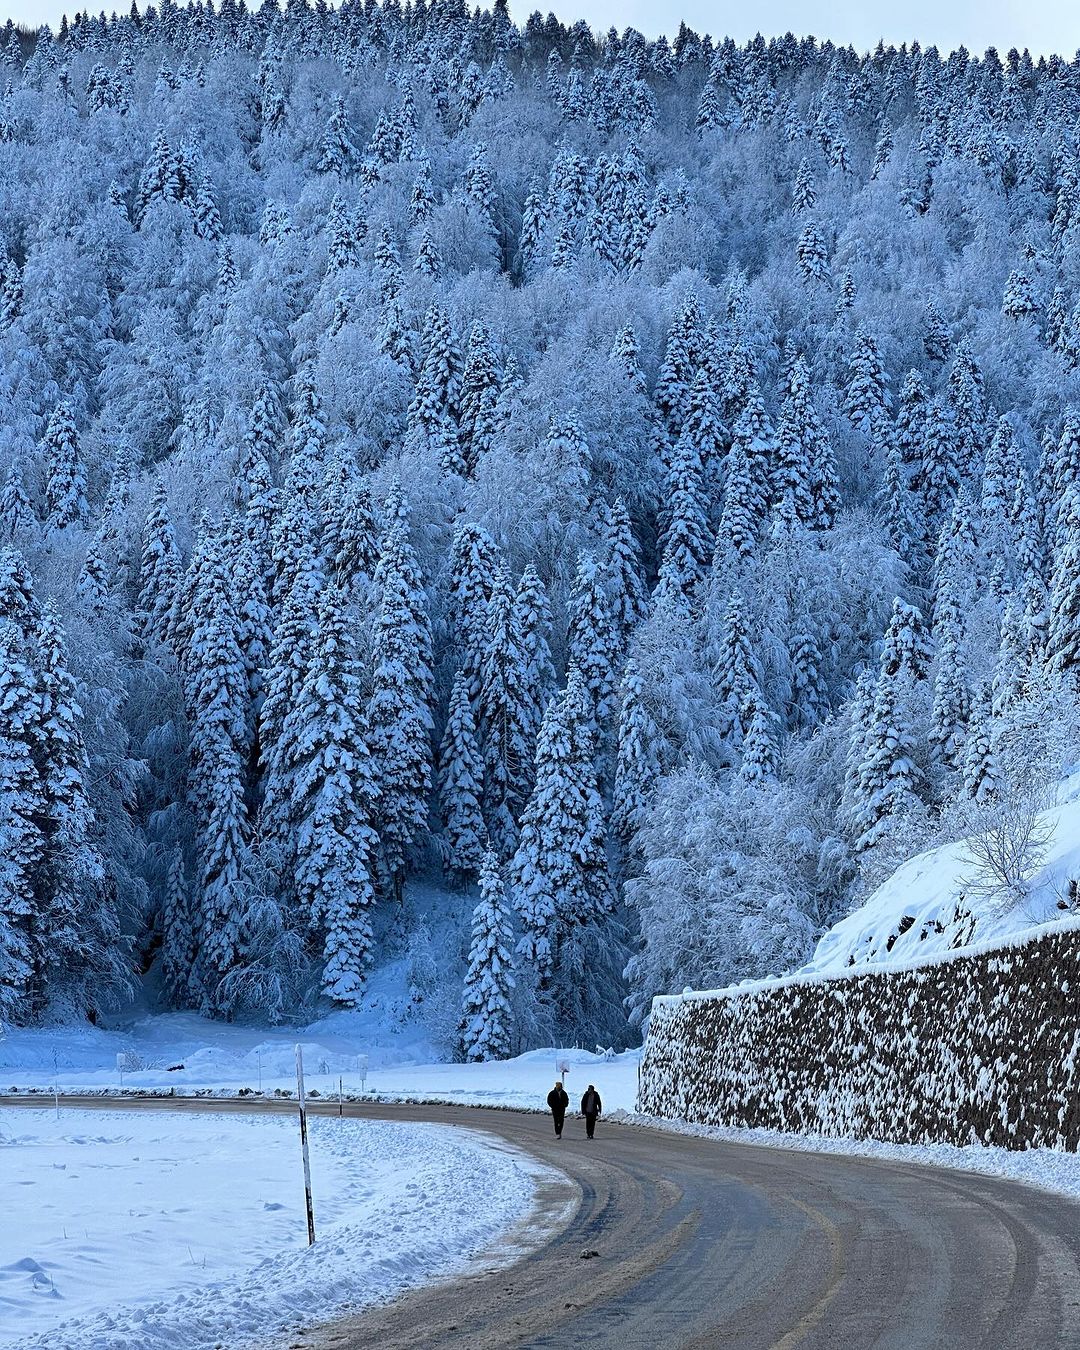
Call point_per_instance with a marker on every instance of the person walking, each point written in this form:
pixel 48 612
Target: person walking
pixel 558 1101
pixel 591 1106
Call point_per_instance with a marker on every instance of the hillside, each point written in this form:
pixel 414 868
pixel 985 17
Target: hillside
pixel 944 899
pixel 536 516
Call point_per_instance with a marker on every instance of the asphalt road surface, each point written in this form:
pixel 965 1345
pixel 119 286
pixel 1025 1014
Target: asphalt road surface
pixel 695 1243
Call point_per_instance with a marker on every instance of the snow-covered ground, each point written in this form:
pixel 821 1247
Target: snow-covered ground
pixel 140 1231
pixel 934 903
pixel 188 1053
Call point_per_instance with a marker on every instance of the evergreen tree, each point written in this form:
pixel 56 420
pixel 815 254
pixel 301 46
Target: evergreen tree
pixel 461 786
pixel 486 1016
pixel 686 544
pixel 806 469
pixel 23 938
pixel 65 483
pixel 982 775
pixel 507 716
pixel 399 713
pixel 868 387
pixel 474 561
pixel 334 794
pixel 593 639
pixel 217 694
pixel 636 767
pixel 558 872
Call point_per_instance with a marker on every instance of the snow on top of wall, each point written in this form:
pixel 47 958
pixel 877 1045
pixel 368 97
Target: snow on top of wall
pixel 927 910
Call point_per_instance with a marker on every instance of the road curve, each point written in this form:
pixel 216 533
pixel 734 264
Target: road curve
pixel 702 1244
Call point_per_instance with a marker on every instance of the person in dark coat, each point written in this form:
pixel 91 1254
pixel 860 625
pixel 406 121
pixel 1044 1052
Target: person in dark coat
pixel 558 1101
pixel 591 1106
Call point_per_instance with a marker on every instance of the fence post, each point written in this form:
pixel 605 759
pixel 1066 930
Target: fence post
pixel 304 1144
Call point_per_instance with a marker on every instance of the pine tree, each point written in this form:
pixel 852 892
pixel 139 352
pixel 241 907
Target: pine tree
pixel 507 716
pixel 65 484
pixel 333 800
pixel 806 469
pixel 936 341
pixel 486 1017
pixel 217 695
pixel 532 618
pixel 593 639
pixel 16 513
pixel 622 569
pixel 337 152
pixel 461 786
pixel 888 777
pixel 804 194
pixel 949 714
pixel 982 775
pixel 474 561
pixel 160 570
pixel 736 672
pixel 1019 301
pixel 759 759
pixel 22 936
pixel 812 254
pixel 83 933
pixel 636 767
pixel 289 660
pixel 399 713
pixel 686 543
pixel 868 386
pixel 1063 634
pixel 558 872
pixel 809 691
pixel 480 385
pixel 433 412
pixel 939 476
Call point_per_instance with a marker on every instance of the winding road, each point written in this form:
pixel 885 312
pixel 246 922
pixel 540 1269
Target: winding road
pixel 674 1243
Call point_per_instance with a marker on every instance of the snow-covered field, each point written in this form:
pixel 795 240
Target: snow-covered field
pixel 140 1231
pixel 188 1053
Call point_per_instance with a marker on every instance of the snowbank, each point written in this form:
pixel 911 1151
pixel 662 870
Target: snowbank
pixel 146 1231
pixel 185 1053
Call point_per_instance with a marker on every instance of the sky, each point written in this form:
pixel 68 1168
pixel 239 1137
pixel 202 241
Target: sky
pixel 1043 26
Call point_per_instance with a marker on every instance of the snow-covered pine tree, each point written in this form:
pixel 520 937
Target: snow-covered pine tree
pixel 474 561
pixel 686 543
pixel 23 930
pixel 486 1014
pixel 557 873
pixel 593 639
pixel 160 571
pixel 333 801
pixel 399 712
pixel 461 786
pixel 65 482
pixel 982 773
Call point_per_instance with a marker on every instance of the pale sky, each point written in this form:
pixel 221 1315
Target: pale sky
pixel 1041 25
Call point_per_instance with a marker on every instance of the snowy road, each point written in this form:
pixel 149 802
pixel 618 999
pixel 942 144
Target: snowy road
pixel 701 1243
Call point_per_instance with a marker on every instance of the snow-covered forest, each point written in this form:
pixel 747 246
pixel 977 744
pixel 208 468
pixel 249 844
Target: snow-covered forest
pixel 637 482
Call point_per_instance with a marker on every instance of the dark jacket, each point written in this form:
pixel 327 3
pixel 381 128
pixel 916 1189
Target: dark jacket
pixel 558 1101
pixel 591 1105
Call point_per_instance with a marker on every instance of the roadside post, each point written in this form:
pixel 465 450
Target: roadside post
pixel 361 1069
pixel 56 1084
pixel 339 1098
pixel 304 1144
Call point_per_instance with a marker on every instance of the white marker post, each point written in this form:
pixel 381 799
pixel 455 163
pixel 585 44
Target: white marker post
pixel 304 1145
